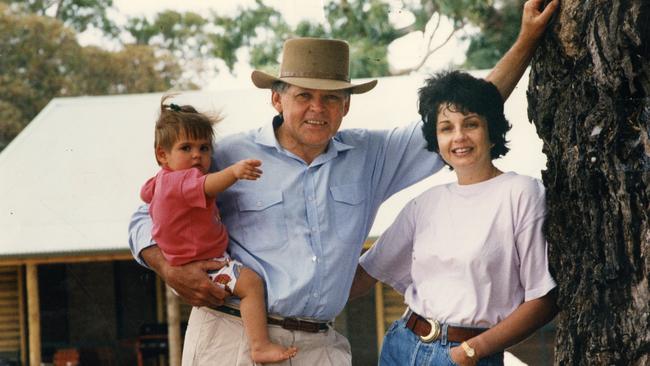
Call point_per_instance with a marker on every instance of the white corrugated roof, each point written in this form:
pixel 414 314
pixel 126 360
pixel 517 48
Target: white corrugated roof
pixel 70 181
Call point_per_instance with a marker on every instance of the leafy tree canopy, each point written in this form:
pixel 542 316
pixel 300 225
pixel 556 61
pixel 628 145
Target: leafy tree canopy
pixel 76 14
pixel 41 59
pixel 499 27
pixel 261 29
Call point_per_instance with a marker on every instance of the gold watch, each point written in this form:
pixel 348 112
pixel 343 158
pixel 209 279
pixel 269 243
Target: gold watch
pixel 469 351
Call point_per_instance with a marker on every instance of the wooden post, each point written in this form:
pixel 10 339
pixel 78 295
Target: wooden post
pixel 21 307
pixel 173 328
pixel 33 315
pixel 379 314
pixel 161 293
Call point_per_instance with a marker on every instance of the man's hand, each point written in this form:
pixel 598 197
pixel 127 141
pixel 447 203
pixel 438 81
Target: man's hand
pixel 193 285
pixel 190 281
pixel 247 169
pixel 535 18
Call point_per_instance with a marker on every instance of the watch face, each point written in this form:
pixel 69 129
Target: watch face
pixel 469 351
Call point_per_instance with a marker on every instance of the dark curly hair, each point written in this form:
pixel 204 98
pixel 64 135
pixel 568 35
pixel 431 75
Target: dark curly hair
pixel 466 94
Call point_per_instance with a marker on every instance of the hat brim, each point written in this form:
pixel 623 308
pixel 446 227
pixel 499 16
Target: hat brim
pixel 263 80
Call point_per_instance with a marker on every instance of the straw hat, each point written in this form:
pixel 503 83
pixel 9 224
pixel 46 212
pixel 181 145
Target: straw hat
pixel 314 63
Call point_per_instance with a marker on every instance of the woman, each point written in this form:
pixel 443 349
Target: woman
pixel 469 257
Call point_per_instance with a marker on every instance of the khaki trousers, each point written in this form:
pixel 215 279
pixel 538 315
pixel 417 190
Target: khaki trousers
pixel 215 338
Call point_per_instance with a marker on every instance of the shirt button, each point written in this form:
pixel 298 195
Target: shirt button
pixel 315 294
pixel 314 259
pixel 311 198
pixel 259 203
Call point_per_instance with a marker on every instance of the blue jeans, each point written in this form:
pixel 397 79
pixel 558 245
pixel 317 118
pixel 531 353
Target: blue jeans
pixel 402 347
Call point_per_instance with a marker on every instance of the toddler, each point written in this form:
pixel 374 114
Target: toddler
pixel 186 223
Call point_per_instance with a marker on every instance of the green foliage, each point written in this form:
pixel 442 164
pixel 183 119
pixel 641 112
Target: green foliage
pixel 36 54
pixel 365 26
pixel 41 60
pixel 76 14
pixel 499 29
pixel 135 69
pixel 256 29
pixel 170 30
pixel 259 31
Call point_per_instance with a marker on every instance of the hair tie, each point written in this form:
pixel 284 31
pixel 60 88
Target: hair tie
pixel 174 107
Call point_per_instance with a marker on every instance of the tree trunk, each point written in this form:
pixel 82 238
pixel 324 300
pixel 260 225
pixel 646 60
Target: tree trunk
pixel 589 97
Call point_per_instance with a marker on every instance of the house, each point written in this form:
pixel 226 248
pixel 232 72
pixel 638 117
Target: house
pixel 71 180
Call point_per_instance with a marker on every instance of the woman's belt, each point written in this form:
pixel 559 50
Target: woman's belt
pixel 430 330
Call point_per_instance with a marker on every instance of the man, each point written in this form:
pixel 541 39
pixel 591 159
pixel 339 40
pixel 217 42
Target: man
pixel 302 225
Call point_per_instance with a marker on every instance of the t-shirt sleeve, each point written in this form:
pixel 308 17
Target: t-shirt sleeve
pixel 146 192
pixel 389 259
pixel 192 190
pixel 532 247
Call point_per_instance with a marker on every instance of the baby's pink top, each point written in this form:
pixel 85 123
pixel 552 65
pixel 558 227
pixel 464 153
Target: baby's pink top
pixel 186 225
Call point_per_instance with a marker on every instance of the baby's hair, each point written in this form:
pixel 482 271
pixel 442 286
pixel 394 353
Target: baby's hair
pixel 176 121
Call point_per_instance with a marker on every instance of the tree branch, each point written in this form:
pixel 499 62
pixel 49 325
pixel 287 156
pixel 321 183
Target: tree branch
pixel 59 6
pixel 430 51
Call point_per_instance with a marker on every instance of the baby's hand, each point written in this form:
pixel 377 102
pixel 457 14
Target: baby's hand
pixel 247 169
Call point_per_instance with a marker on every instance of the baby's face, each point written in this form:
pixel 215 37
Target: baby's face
pixel 189 153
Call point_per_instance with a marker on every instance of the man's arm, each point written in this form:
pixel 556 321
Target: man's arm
pixel 190 281
pixel 516 327
pixel 218 182
pixel 511 67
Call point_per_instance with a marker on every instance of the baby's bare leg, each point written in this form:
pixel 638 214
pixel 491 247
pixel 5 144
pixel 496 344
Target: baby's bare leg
pixel 250 290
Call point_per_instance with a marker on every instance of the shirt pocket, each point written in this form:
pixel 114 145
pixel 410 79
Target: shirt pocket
pixel 262 220
pixel 349 211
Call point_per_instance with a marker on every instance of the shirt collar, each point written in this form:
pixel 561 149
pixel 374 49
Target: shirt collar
pixel 266 137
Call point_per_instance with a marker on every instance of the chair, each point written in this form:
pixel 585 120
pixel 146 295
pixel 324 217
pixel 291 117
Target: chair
pixel 66 357
pixel 151 342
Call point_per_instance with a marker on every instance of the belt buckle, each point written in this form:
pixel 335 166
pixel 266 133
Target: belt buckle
pixel 434 333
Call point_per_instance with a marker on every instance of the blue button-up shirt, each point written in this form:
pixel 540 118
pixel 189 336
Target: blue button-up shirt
pixel 302 226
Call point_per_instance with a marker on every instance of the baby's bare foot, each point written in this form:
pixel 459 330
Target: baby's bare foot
pixel 271 352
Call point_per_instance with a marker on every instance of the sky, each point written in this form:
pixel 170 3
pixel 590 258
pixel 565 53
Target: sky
pixel 403 53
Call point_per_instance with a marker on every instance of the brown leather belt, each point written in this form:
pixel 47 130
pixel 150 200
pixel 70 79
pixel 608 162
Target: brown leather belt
pixel 286 323
pixel 430 330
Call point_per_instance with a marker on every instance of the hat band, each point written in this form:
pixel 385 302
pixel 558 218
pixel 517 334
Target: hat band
pixel 313 75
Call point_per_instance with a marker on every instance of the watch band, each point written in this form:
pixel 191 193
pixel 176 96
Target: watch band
pixel 469 351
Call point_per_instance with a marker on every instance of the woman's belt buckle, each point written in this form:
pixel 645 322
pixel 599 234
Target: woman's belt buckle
pixel 434 333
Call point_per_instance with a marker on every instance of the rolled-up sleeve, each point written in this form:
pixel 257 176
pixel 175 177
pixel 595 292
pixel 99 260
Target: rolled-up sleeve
pixel 140 233
pixel 405 160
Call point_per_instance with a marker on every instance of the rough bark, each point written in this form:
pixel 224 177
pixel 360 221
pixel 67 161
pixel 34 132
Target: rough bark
pixel 589 97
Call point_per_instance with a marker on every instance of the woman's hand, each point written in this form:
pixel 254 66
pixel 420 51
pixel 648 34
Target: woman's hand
pixel 535 18
pixel 362 283
pixel 459 357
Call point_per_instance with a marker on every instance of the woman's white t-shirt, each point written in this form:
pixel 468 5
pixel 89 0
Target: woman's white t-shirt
pixel 467 254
